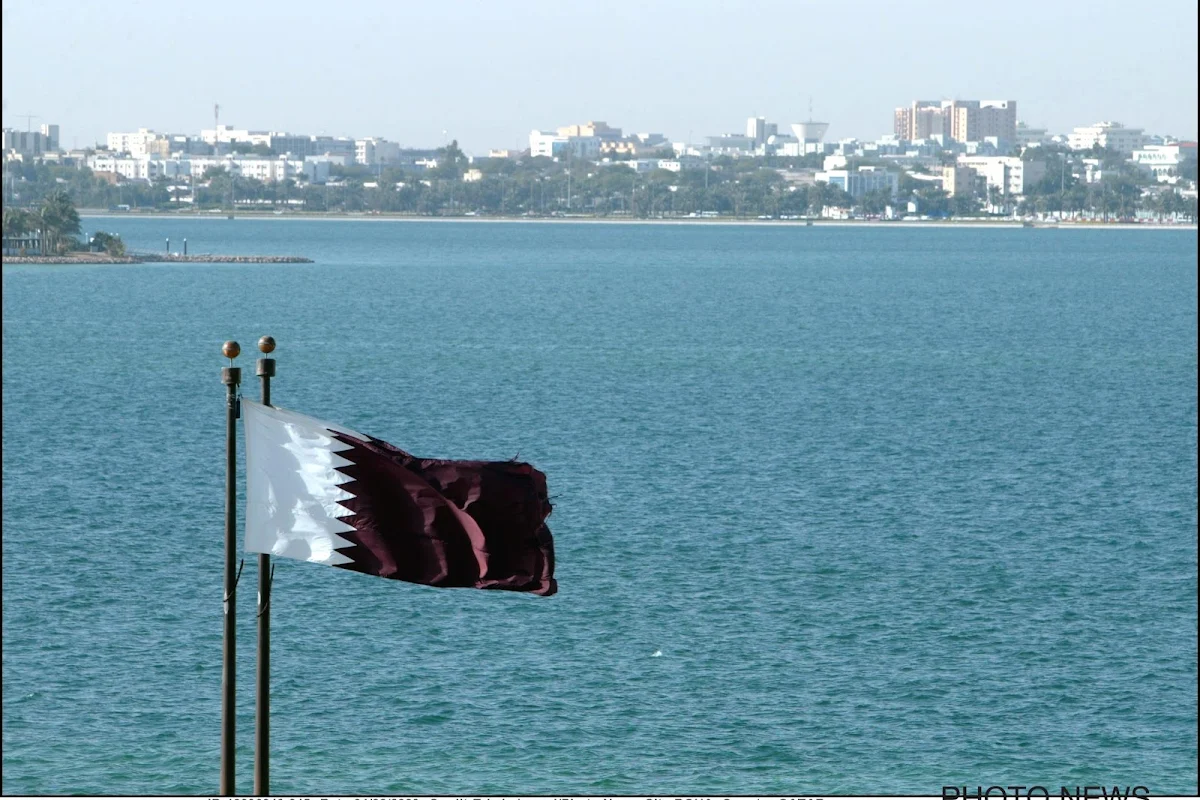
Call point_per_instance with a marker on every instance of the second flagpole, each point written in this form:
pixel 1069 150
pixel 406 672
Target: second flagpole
pixel 231 376
pixel 262 702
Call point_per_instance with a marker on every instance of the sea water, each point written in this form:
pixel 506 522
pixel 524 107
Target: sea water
pixel 854 510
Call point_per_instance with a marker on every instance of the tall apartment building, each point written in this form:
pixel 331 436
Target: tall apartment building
pixel 922 119
pixel 960 120
pixel 50 134
pixel 756 129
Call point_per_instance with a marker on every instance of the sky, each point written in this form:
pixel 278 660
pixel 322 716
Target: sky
pixel 486 73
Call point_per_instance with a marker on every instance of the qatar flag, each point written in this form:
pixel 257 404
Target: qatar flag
pixel 324 493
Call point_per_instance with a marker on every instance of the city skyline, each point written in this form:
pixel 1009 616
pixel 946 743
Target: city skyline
pixel 487 75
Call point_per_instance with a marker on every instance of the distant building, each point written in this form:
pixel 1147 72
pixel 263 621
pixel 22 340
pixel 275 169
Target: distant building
pixel 756 129
pixel 134 144
pixel 1010 175
pixel 297 145
pixel 554 145
pixel 376 152
pixel 50 135
pixel 640 165
pixel 858 183
pixel 600 130
pixel 833 162
pixel 1031 137
pixel 31 143
pixel 958 179
pixel 977 121
pixel 331 146
pixel 1112 135
pixel 731 144
pixel 268 169
pixel 960 120
pixel 1164 160
pixel 472 176
pixel 680 164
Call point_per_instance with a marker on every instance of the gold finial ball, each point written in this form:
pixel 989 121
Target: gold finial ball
pixel 266 344
pixel 231 349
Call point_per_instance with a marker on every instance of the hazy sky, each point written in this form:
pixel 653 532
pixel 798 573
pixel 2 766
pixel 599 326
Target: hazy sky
pixel 489 72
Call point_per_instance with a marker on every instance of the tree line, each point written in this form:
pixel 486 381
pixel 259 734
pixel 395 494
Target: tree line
pixel 544 187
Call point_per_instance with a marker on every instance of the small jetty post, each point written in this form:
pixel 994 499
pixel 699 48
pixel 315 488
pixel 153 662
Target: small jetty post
pixel 231 376
pixel 168 245
pixel 185 245
pixel 266 577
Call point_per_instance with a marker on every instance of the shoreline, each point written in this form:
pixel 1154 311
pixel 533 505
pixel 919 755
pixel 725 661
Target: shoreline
pixel 207 258
pixel 800 223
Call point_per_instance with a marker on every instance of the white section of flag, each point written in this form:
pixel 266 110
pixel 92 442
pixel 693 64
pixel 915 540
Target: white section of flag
pixel 293 486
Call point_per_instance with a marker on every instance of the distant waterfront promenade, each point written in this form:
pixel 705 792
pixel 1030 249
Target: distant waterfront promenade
pixel 104 258
pixel 907 222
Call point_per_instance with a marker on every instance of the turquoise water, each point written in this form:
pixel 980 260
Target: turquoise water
pixel 837 510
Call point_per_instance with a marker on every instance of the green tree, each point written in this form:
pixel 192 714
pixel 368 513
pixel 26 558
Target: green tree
pixel 1187 170
pixel 450 161
pixel 18 221
pixel 109 243
pixel 964 205
pixel 59 221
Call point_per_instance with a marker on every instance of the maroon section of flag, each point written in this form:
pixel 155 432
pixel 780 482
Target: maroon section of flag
pixel 446 523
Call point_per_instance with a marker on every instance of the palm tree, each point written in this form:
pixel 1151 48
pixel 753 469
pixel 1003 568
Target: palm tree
pixel 17 221
pixel 59 219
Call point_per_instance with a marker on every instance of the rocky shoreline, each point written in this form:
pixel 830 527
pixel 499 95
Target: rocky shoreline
pixel 101 258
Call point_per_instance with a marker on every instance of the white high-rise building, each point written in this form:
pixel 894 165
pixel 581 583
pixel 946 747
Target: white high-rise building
pixel 135 144
pixel 756 129
pixel 372 151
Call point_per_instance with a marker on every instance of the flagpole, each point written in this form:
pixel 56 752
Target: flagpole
pixel 262 702
pixel 231 376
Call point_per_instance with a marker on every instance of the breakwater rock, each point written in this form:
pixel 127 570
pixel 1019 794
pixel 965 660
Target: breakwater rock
pixel 219 259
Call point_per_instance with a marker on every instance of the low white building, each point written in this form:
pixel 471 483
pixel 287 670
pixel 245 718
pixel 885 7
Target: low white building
pixel 1112 135
pixel 1009 174
pixel 268 170
pixel 1164 160
pixel 833 162
pixel 641 165
pixel 681 163
pixel 554 145
pixel 858 183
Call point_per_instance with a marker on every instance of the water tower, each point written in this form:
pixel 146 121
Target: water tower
pixel 810 132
